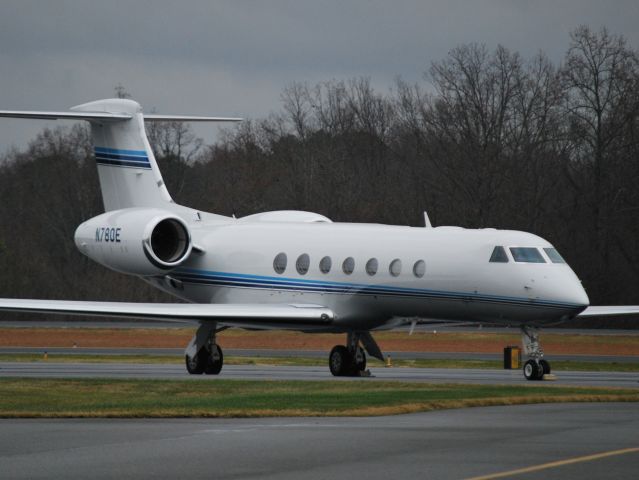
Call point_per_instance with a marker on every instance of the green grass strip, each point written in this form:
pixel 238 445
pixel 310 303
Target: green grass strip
pixel 557 365
pixel 237 398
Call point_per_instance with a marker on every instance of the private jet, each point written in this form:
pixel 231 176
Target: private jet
pixel 299 270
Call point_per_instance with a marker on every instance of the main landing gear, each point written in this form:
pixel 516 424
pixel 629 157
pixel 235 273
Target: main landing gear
pixel 203 355
pixel 535 367
pixel 350 360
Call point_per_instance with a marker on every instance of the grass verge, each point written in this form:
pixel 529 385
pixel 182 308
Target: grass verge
pixel 38 398
pixel 557 365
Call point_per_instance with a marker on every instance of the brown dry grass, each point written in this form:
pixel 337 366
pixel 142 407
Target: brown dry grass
pixel 476 342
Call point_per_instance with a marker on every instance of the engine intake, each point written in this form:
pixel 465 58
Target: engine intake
pixel 169 243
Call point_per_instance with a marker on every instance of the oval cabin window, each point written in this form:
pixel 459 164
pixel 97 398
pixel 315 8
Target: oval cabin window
pixel 371 266
pixel 348 266
pixel 302 264
pixel 419 269
pixel 279 264
pixel 325 264
pixel 395 267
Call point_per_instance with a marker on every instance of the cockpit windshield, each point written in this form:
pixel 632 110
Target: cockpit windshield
pixel 499 255
pixel 527 255
pixel 554 256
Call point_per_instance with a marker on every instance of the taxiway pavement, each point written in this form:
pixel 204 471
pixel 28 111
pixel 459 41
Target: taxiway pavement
pixel 448 444
pixel 47 369
pixel 279 353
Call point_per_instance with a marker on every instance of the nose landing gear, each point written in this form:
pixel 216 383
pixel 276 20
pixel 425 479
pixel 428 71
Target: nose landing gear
pixel 536 367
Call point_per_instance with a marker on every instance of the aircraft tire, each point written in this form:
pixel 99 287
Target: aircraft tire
pixel 361 365
pixel 545 367
pixel 214 365
pixel 197 364
pixel 532 370
pixel 340 361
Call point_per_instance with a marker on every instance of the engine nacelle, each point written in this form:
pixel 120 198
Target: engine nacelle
pixel 138 241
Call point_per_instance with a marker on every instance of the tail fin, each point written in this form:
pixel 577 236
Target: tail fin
pixel 129 175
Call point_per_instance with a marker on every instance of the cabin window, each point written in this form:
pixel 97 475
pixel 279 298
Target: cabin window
pixel 499 255
pixel 395 267
pixel 554 256
pixel 419 269
pixel 325 264
pixel 348 266
pixel 371 266
pixel 302 264
pixel 279 264
pixel 527 255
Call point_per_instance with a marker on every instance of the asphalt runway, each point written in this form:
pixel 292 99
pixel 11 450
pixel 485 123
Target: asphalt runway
pixel 561 441
pixel 269 353
pixel 254 372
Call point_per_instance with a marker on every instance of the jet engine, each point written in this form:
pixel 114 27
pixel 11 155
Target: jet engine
pixel 138 241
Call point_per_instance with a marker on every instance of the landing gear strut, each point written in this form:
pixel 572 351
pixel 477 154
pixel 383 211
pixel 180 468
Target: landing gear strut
pixel 535 367
pixel 203 355
pixel 350 360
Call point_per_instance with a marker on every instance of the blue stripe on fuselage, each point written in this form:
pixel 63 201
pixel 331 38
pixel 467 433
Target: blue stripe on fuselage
pixel 189 275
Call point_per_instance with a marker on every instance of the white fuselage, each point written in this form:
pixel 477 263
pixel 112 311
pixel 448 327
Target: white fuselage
pixel 454 281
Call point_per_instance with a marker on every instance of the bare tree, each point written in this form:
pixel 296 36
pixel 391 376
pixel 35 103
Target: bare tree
pixel 600 82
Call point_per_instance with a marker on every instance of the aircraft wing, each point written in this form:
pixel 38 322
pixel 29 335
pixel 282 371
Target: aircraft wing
pixel 241 315
pixel 610 310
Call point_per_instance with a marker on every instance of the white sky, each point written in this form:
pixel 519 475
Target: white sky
pixel 235 57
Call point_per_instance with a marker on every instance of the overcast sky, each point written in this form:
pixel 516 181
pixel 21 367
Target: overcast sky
pixel 234 57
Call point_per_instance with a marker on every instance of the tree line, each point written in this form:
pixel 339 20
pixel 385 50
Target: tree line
pixel 489 139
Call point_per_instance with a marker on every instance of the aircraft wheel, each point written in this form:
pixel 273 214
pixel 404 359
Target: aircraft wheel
pixel 532 370
pixel 214 362
pixel 360 361
pixel 545 367
pixel 197 364
pixel 340 361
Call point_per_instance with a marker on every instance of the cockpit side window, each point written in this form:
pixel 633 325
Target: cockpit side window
pixel 527 255
pixel 499 255
pixel 554 256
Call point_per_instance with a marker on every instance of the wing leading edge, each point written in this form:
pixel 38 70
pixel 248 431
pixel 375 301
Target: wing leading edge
pixel 610 310
pixel 250 315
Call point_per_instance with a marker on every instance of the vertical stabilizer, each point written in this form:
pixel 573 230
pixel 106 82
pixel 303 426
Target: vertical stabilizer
pixel 129 175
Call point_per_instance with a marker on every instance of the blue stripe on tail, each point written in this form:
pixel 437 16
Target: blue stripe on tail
pixel 122 158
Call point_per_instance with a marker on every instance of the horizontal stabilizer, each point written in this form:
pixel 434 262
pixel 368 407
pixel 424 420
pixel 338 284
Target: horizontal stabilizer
pixel 237 314
pixel 188 118
pixel 103 116
pixel 610 310
pixel 108 116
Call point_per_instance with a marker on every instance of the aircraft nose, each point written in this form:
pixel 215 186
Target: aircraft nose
pixel 581 297
pixel 574 293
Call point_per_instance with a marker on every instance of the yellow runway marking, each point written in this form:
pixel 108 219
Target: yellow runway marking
pixel 558 463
